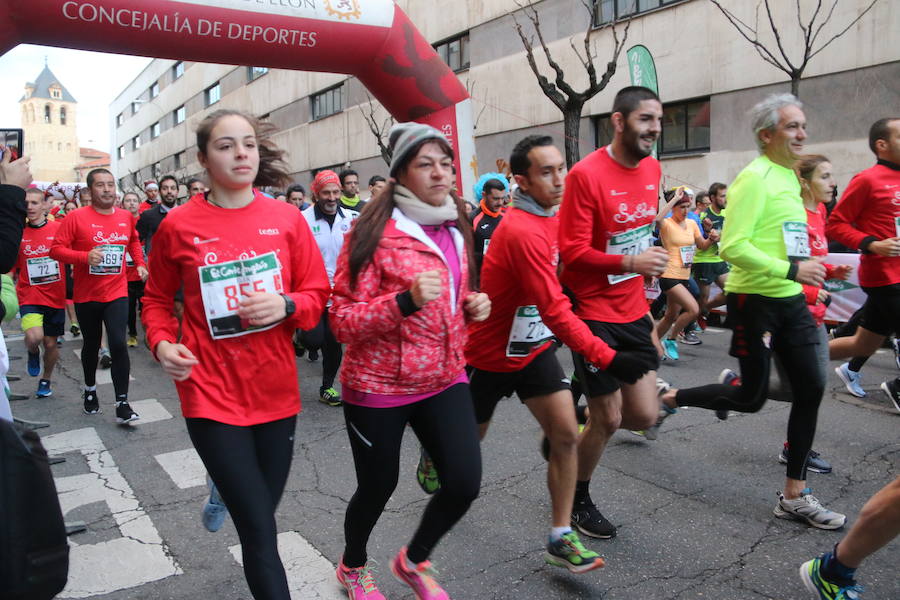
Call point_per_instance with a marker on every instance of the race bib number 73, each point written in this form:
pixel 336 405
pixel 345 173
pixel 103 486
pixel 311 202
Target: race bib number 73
pixel 223 286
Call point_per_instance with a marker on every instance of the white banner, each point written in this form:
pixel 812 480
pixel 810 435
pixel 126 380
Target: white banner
pixel 846 296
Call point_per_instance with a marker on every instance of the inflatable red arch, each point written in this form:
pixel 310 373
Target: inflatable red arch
pixel 371 39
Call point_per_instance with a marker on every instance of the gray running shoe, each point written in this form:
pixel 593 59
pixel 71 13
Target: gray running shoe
pixel 808 509
pixel 892 389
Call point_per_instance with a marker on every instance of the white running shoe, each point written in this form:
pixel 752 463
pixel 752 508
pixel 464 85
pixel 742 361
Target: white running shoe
pixel 808 509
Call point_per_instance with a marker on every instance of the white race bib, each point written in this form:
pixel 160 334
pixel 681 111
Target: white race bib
pixel 527 332
pixel 796 240
pixel 897 226
pixel 42 271
pixel 223 286
pixel 129 262
pixel 111 263
pixel 631 242
pixel 687 255
pixel 484 248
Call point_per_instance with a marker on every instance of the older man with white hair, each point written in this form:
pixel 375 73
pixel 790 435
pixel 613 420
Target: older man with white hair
pixel 765 239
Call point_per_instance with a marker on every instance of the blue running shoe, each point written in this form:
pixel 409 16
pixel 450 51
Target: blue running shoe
pixel 44 390
pixel 214 511
pixel 851 380
pixel 811 574
pixel 34 363
pixel 671 348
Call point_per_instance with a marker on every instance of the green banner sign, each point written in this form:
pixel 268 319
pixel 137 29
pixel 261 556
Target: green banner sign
pixel 642 71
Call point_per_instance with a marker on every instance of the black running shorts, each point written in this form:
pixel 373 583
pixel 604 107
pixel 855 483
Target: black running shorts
pixel 761 323
pixel 881 312
pixel 707 273
pixel 636 336
pixel 542 376
pixel 667 283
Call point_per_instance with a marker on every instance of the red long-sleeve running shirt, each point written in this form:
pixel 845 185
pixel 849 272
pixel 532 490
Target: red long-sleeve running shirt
pixel 870 208
pixel 607 212
pixel 519 275
pixel 85 229
pixel 41 280
pixel 244 377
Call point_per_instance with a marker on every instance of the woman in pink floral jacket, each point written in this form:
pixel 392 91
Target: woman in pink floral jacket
pixel 403 292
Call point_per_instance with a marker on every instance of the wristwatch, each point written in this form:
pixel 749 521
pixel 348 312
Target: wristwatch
pixel 290 307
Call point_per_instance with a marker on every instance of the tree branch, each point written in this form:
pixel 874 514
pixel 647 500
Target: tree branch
pixel 377 130
pixel 777 35
pixel 760 48
pixel 548 88
pixel 845 30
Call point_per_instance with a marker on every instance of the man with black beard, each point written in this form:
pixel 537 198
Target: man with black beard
pixel 150 219
pixel 606 222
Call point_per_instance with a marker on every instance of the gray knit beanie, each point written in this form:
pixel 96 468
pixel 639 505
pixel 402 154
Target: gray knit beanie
pixel 403 137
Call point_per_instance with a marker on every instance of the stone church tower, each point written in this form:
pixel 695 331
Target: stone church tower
pixel 48 118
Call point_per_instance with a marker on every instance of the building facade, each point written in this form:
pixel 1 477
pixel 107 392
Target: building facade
pixel 48 116
pixel 709 76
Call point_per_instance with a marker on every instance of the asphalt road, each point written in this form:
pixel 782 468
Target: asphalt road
pixel 694 508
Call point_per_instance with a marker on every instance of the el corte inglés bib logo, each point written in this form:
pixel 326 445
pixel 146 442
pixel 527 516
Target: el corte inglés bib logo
pixel 343 9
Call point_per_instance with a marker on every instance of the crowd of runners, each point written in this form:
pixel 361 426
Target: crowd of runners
pixel 433 309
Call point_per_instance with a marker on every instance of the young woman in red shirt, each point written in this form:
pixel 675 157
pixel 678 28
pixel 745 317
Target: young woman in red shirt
pixel 252 274
pixel 403 293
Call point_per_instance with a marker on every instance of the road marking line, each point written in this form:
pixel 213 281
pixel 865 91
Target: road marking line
pixel 310 575
pixel 139 556
pixel 150 410
pixel 104 376
pixel 183 467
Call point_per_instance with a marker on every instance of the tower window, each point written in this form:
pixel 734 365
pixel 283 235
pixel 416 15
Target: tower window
pixel 46 113
pixel 62 115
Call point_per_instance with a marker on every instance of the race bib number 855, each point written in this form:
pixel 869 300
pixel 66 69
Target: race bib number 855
pixel 224 285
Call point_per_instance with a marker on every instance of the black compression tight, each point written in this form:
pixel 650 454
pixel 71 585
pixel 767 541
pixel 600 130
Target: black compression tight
pixel 445 425
pixel 801 364
pixel 321 337
pixel 250 466
pixel 92 317
pixel 135 293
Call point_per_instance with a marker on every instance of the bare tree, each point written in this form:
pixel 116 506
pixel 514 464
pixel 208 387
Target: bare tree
pixel 812 28
pixel 378 128
pixel 568 100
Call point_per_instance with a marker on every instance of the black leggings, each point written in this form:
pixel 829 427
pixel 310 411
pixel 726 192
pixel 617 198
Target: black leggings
pixel 321 337
pixel 135 293
pixel 445 426
pixel 92 317
pixel 761 326
pixel 249 466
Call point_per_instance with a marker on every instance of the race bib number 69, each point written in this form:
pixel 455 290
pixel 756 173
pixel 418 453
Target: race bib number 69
pixel 223 286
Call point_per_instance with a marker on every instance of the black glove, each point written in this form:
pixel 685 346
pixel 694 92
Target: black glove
pixel 630 366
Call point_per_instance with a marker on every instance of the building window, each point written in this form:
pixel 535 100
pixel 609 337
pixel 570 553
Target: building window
pixel 212 94
pixel 155 130
pixel 177 70
pixel 603 131
pixel 328 102
pixel 607 11
pixel 135 179
pixel 154 90
pixel 136 142
pixel 120 153
pixel 47 113
pixel 685 127
pixel 55 93
pixel 180 114
pixel 62 115
pixel 254 73
pixel 455 52
pixel 179 160
pixel 135 105
pixel 120 118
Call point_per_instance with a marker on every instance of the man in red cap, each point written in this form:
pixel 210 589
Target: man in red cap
pixel 329 221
